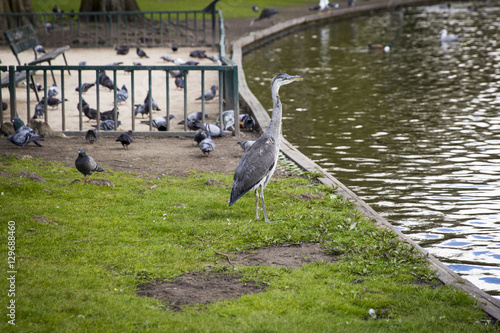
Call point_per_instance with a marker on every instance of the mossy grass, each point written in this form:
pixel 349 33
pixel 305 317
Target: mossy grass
pixel 82 251
pixel 230 8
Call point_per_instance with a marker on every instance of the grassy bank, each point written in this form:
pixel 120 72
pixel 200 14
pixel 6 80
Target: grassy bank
pixel 82 251
pixel 230 8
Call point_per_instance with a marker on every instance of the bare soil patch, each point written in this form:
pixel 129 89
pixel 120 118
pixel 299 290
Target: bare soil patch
pixel 204 288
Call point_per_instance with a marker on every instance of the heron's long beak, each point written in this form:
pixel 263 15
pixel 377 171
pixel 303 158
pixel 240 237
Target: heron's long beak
pixel 292 78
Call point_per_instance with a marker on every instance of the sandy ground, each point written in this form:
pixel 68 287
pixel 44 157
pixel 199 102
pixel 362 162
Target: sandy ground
pixel 105 56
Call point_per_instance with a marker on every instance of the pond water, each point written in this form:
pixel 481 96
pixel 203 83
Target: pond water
pixel 415 132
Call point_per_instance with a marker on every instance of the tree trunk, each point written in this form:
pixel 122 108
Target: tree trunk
pixel 15 6
pixel 108 6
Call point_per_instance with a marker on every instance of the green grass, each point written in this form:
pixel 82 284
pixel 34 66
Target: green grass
pixel 80 272
pixel 230 8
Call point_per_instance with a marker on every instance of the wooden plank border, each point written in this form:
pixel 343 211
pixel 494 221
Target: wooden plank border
pixel 487 302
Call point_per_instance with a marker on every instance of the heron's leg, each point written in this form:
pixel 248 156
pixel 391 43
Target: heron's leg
pixel 257 203
pixel 263 204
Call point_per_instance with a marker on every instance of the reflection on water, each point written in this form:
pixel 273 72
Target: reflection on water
pixel 414 132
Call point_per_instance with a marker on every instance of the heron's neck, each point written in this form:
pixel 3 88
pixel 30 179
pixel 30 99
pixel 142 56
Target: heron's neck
pixel 275 125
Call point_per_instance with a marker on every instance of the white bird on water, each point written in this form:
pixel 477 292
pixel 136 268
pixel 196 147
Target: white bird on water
pixel 447 38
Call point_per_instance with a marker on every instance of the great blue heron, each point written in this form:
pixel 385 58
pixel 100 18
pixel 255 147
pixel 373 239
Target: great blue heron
pixel 259 162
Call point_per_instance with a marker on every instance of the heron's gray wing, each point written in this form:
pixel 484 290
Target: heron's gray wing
pixel 254 167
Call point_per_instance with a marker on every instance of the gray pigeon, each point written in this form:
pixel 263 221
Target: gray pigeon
pixel 200 136
pixel 141 53
pixel 21 139
pixel 154 104
pixel 179 82
pixel 227 120
pixel 247 121
pixel 40 49
pixel 91 135
pixel 122 49
pixel 53 90
pixel 39 110
pixel 245 145
pixel 126 138
pixel 86 164
pixel 193 116
pixel 211 129
pixel 108 125
pixel 142 109
pixel 85 87
pixel 198 54
pixel 122 95
pixel 160 123
pixel 105 80
pixel 207 146
pixel 19 127
pixel 209 94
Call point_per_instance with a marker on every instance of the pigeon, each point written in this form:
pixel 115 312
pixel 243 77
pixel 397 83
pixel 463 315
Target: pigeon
pixel 160 123
pixel 85 87
pixel 193 116
pixel 245 145
pixel 122 49
pixel 105 81
pixel 200 136
pixel 135 64
pixel 53 90
pixel 198 54
pixel 191 63
pixel 209 94
pixel 154 104
pixel 39 49
pixel 126 138
pixel 49 27
pixel 39 110
pixel 4 106
pixel 179 82
pixel 142 109
pixel 23 138
pixel 109 115
pixel 86 164
pixel 115 63
pixel 207 146
pixel 211 129
pixel 122 95
pixel 255 8
pixel 177 73
pixel 247 122
pixel 175 47
pixel 215 58
pixel 178 61
pixel 82 63
pixel 108 125
pixel 141 53
pixel 53 102
pixel 265 13
pixel 167 57
pixel 38 86
pixel 227 120
pixel 91 135
pixel 27 134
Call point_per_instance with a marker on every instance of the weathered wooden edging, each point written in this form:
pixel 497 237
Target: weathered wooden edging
pixel 446 275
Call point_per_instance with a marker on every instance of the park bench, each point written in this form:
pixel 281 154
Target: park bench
pixel 24 38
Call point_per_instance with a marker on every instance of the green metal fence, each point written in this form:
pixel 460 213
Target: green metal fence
pixel 227 86
pixel 93 29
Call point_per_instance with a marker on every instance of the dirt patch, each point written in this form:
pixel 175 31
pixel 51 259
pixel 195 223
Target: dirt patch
pixel 145 156
pixel 197 288
pixel 204 288
pixel 291 256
